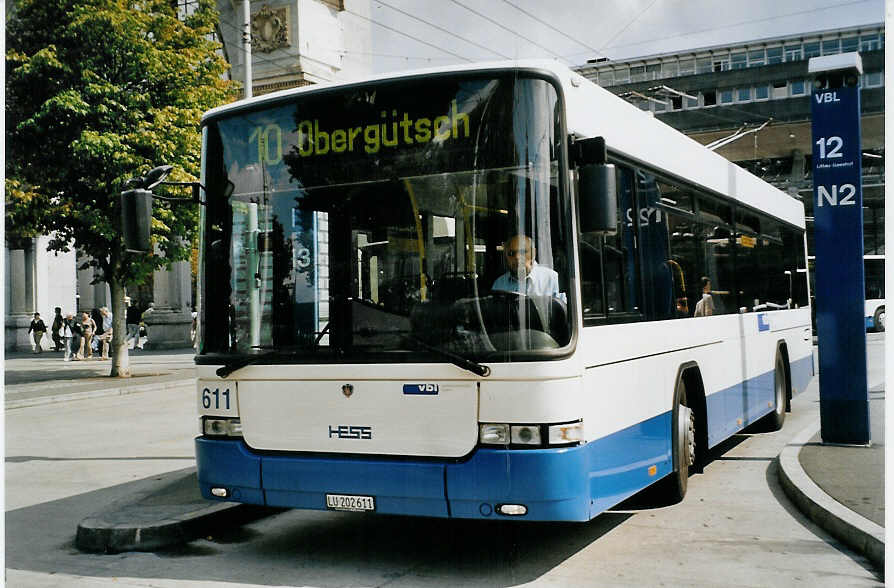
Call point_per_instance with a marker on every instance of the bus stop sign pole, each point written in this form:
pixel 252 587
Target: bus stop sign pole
pixel 838 223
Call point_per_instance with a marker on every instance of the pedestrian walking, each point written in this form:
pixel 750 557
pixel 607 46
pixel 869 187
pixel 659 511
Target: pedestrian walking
pixel 37 331
pixel 66 335
pixel 144 326
pixel 96 342
pixel 88 328
pixel 105 339
pixel 77 337
pixel 56 329
pixel 132 320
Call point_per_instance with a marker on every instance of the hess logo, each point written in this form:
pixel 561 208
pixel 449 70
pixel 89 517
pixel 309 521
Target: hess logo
pixel 350 432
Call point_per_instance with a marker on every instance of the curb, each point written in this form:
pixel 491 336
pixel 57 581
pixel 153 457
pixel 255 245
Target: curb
pixel 856 531
pixel 99 393
pixel 148 520
pixel 98 536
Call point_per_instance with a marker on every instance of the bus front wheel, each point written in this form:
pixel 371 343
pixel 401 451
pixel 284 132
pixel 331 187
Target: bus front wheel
pixel 683 447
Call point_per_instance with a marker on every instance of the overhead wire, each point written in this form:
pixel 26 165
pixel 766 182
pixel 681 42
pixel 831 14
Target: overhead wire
pixel 392 29
pixel 345 52
pixel 729 26
pixel 627 26
pixel 546 24
pixel 505 28
pixel 442 29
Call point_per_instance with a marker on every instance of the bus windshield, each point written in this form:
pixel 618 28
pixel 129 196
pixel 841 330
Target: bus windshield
pixel 416 217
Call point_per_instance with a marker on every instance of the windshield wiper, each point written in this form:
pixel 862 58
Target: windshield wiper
pixel 237 364
pixel 457 360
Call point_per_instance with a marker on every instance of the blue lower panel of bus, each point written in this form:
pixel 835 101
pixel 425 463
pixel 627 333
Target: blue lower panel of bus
pixel 802 372
pixel 733 408
pixel 399 487
pixel 568 484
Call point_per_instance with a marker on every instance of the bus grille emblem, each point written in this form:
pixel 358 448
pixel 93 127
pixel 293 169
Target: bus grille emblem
pixel 347 390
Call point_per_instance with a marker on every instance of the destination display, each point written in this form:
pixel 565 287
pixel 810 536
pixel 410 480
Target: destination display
pixel 383 131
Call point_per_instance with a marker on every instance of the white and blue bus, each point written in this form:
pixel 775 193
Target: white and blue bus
pixel 874 292
pixel 359 349
pixel 874 272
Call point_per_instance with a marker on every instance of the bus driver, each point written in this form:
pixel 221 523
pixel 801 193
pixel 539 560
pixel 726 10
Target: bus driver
pixel 538 280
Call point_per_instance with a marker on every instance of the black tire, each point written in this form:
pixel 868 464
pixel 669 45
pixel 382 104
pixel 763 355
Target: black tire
pixel 776 419
pixel 878 319
pixel 683 435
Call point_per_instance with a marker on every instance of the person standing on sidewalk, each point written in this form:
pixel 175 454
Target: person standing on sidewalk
pixel 144 326
pixel 37 330
pixel 88 327
pixel 105 339
pixel 57 327
pixel 77 339
pixel 67 334
pixel 132 319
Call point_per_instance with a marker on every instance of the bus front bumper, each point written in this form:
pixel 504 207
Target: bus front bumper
pixel 550 483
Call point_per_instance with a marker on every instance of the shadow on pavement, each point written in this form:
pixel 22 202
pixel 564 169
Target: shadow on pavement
pixel 316 548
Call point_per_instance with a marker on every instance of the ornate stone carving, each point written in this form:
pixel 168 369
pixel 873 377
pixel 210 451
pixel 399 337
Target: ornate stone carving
pixel 270 29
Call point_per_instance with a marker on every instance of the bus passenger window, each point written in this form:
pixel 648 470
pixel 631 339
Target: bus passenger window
pixel 609 267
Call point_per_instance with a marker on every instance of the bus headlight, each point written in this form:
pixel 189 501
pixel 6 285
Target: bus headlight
pixel 219 427
pixel 531 436
pixel 493 434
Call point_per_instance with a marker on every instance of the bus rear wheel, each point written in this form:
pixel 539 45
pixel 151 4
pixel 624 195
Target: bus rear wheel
pixel 775 419
pixel 879 320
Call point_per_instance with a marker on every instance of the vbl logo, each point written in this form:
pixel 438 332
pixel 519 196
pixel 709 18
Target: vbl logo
pixel 420 388
pixel 826 97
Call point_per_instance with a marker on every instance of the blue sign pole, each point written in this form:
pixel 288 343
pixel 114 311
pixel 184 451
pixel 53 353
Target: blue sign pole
pixel 838 222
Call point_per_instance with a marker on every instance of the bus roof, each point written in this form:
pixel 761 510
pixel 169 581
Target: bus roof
pixel 593 111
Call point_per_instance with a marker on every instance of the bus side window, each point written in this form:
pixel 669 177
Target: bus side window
pixel 609 268
pixel 591 276
pixel 715 237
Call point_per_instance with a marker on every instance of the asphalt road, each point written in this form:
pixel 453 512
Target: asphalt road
pixel 735 527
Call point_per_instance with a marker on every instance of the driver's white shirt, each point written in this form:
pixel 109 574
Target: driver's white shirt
pixel 542 281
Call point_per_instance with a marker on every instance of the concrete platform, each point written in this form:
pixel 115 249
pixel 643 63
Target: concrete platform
pixel 165 511
pixel 839 488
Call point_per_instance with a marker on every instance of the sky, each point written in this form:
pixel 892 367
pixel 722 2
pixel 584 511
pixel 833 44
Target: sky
pixel 410 34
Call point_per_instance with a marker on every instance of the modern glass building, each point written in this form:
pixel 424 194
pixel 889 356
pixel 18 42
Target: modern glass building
pixel 752 100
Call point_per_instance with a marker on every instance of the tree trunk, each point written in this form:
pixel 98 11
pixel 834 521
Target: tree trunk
pixel 120 357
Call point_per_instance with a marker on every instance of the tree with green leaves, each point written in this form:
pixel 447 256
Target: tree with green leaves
pixel 99 91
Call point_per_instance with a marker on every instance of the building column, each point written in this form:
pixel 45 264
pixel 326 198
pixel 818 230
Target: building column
pixel 170 322
pixel 91 295
pixel 20 274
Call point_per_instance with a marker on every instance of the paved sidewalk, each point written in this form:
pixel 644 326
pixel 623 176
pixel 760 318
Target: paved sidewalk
pixel 842 488
pixel 839 488
pixel 31 379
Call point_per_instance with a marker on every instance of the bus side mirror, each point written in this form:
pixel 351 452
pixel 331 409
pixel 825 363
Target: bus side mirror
pixel 597 187
pixel 136 219
pixel 598 198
